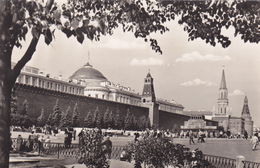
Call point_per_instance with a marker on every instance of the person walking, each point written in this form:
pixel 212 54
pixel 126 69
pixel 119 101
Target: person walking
pixel 191 136
pixel 254 141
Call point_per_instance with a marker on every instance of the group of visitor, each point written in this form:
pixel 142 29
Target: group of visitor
pixel 34 143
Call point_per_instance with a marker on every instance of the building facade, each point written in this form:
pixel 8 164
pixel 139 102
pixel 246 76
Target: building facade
pixel 236 125
pixel 88 84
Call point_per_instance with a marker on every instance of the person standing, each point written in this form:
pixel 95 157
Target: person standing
pixel 136 136
pixel 108 147
pixel 245 135
pixel 254 141
pixel 19 143
pixel 191 136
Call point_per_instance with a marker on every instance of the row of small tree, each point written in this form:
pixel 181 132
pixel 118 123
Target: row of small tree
pixel 116 121
pixel 69 118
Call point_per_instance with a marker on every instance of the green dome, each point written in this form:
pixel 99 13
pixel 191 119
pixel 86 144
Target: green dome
pixel 88 73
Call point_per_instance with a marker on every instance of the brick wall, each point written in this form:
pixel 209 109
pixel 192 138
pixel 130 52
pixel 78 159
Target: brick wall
pixel 38 99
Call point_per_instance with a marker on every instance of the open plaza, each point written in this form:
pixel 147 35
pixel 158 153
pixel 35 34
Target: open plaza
pixel 221 147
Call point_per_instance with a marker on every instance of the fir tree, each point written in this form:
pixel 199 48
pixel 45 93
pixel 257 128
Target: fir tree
pixel 66 118
pixel 148 123
pixel 24 117
pixel 25 108
pixel 118 120
pixel 96 118
pixel 41 119
pixel 111 120
pixel 88 121
pixel 75 116
pixel 127 120
pixel 133 123
pixel 56 116
pixel 106 119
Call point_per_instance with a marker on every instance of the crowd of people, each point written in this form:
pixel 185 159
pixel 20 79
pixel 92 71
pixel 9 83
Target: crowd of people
pixel 34 143
pixel 39 143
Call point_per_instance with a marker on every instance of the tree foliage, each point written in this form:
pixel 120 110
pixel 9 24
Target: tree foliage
pixel 91 19
pixel 91 152
pixel 75 116
pixel 88 121
pixel 66 118
pixel 96 118
pixel 55 117
pixel 161 152
pixel 41 120
pixel 106 119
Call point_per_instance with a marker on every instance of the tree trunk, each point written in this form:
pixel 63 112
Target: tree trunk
pixel 5 92
pixel 5 96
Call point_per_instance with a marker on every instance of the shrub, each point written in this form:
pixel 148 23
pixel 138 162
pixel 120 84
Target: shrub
pixel 91 152
pixel 161 152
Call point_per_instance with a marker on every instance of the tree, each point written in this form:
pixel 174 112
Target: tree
pixel 23 118
pixel 161 152
pixel 111 120
pixel 75 116
pixel 91 152
pixel 106 119
pixel 141 124
pixel 96 118
pixel 118 120
pixel 88 121
pixel 128 121
pixel 202 19
pixel 66 118
pixel 24 110
pixel 148 123
pixel 41 119
pixel 55 117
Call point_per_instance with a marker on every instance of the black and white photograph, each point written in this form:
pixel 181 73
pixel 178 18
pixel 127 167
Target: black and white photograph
pixel 129 83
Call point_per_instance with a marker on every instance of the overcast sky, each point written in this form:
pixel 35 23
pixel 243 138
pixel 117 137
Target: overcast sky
pixel 187 72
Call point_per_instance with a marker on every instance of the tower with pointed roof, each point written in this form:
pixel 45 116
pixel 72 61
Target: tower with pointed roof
pixel 148 99
pixel 223 96
pixel 247 118
pixel 148 94
pixel 221 115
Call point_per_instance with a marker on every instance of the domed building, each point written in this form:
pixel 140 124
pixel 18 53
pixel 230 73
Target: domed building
pixel 97 86
pixel 89 75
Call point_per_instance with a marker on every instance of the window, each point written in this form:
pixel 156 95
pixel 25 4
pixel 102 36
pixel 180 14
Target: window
pixel 27 80
pixel 103 96
pixel 33 81
pixel 96 95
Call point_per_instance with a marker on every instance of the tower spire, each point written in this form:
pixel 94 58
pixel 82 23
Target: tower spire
pixel 223 95
pixel 223 84
pixel 88 64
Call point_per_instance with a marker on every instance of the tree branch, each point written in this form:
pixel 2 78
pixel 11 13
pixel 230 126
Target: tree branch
pixel 26 58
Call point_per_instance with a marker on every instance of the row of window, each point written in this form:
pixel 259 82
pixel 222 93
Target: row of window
pixel 34 81
pixel 117 99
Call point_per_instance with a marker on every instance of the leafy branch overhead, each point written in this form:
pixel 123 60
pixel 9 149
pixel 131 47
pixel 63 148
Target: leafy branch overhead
pixel 93 18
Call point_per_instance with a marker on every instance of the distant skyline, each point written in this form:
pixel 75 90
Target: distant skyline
pixel 187 72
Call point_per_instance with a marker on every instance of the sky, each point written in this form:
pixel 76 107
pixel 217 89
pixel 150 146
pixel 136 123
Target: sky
pixel 188 72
